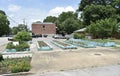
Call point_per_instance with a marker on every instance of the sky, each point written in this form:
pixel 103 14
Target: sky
pixel 30 11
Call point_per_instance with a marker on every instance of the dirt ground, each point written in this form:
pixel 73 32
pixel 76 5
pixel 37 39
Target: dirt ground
pixel 43 62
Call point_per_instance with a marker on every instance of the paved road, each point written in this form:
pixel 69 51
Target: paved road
pixel 113 70
pixel 3 40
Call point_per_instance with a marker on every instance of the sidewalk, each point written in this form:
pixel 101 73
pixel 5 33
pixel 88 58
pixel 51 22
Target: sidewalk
pixel 112 70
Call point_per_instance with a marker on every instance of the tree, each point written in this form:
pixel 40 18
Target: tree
pixel 116 5
pixel 70 25
pixel 20 27
pixel 104 28
pixel 50 19
pixel 92 13
pixel 84 3
pixel 4 24
pixel 65 15
pixel 23 36
pixel 63 20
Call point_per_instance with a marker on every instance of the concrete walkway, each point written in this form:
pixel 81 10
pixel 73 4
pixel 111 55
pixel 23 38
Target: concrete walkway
pixel 112 70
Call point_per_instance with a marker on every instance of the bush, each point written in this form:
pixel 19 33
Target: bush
pixel 78 36
pixel 20 67
pixel 10 46
pixel 23 36
pixel 1 57
pixel 15 65
pixel 21 47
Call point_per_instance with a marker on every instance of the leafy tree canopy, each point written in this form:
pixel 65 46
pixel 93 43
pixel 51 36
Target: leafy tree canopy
pixel 50 19
pixel 70 25
pixel 4 24
pixel 20 27
pixel 92 13
pixel 23 36
pixel 104 28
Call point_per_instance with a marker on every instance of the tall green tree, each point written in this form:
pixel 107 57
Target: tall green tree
pixel 4 24
pixel 104 28
pixel 50 19
pixel 84 3
pixel 20 27
pixel 92 13
pixel 70 25
pixel 63 22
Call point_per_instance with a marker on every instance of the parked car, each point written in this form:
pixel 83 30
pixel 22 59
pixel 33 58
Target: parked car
pixel 36 36
pixel 45 35
pixel 10 39
pixel 59 37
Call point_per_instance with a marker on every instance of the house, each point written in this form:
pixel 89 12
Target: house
pixel 43 28
pixel 82 31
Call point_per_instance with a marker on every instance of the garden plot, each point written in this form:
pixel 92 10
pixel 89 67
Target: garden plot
pixel 63 45
pixel 81 43
pixel 89 44
pixel 43 46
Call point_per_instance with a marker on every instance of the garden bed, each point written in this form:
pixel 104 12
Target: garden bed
pixel 15 65
pixel 81 43
pixel 63 45
pixel 43 46
pixel 21 47
pixel 90 43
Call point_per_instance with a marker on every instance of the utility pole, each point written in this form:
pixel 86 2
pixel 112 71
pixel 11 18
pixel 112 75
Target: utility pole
pixel 24 21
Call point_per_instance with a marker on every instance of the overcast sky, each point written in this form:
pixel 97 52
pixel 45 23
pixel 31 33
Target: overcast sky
pixel 35 10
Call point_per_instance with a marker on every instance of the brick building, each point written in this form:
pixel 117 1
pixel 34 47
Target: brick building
pixel 43 28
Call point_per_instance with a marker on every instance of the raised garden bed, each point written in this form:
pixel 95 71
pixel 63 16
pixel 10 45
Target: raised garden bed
pixel 89 44
pixel 63 45
pixel 43 46
pixel 15 65
pixel 21 47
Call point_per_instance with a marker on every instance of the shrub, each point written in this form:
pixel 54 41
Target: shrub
pixel 10 46
pixel 15 65
pixel 1 57
pixel 23 36
pixel 21 47
pixel 78 36
pixel 22 66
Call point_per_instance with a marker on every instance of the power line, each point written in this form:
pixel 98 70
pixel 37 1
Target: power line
pixel 12 20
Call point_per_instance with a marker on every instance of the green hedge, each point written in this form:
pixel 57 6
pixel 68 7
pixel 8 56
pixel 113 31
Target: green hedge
pixel 79 36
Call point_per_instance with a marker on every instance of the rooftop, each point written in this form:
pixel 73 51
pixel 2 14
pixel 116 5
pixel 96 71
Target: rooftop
pixel 38 22
pixel 80 30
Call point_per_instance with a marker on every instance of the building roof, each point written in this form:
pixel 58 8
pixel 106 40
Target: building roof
pixel 80 30
pixel 38 22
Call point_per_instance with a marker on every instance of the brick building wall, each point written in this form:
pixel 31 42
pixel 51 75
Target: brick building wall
pixel 43 28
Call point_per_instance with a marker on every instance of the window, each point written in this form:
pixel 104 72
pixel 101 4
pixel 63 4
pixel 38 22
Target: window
pixel 43 26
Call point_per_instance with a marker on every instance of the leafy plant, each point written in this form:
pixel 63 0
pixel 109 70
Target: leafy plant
pixel 10 46
pixel 78 36
pixel 15 65
pixel 21 47
pixel 22 36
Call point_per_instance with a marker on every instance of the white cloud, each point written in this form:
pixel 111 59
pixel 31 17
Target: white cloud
pixel 58 10
pixel 29 14
pixel 14 8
